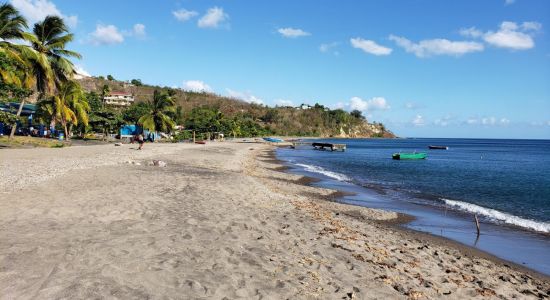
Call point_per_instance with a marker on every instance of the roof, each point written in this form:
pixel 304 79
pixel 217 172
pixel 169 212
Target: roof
pixel 119 94
pixel 28 109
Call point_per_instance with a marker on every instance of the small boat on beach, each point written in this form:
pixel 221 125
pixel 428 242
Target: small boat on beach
pixel 200 142
pixel 272 140
pixel 433 147
pixel 413 155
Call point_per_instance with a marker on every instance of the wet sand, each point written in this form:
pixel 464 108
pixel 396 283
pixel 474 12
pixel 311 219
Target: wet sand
pixel 219 221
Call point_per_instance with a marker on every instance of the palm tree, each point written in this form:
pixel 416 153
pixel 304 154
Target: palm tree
pixel 12 26
pixel 50 39
pixel 157 117
pixel 68 107
pixel 47 57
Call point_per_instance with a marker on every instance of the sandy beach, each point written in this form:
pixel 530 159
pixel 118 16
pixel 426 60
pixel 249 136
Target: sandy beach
pixel 220 221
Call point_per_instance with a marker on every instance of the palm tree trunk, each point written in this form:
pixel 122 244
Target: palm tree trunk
pixel 14 127
pixel 66 131
pixel 70 131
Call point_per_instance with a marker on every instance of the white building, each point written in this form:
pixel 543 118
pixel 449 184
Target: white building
pixel 119 99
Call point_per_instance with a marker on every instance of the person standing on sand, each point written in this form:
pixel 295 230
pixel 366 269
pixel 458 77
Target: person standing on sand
pixel 140 141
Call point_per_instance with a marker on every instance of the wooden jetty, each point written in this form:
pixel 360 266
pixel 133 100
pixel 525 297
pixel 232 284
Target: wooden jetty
pixel 329 146
pixel 320 146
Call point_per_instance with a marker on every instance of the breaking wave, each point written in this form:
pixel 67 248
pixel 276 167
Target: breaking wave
pixel 498 216
pixel 320 170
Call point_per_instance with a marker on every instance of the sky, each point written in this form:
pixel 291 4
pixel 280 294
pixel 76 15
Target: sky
pixel 424 68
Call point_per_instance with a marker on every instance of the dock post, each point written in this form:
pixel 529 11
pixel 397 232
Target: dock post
pixel 477 224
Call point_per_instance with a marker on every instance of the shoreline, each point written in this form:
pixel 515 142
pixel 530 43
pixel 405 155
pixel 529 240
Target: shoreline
pixel 220 220
pixel 403 219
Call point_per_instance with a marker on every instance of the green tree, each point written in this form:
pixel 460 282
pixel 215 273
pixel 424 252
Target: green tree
pixel 157 117
pixel 106 121
pixel 136 82
pixel 110 78
pixel 50 40
pixel 135 112
pixel 14 73
pixel 357 114
pixel 204 119
pixel 68 107
pixel 94 100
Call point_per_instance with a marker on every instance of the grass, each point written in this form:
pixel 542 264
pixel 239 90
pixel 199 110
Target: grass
pixel 27 141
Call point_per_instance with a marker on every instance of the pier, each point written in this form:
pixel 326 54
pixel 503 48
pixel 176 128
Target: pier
pixel 321 146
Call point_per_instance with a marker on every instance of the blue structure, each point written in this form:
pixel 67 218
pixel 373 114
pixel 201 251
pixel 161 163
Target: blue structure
pixel 131 130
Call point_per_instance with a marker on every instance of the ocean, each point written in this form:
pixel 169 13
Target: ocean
pixel 506 183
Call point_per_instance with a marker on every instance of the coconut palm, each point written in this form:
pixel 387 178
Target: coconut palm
pixel 12 22
pixel 157 117
pixel 18 57
pixel 68 107
pixel 50 39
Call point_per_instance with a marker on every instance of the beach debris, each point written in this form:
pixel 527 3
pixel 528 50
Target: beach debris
pixel 131 162
pixel 157 163
pixel 118 144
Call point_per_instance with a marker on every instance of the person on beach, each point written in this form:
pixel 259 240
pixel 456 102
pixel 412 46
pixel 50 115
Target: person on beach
pixel 140 141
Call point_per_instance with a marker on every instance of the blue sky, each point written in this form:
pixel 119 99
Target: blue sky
pixel 424 68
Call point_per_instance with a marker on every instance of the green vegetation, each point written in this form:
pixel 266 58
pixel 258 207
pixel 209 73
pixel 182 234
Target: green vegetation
pixel 157 113
pixel 43 66
pixel 26 141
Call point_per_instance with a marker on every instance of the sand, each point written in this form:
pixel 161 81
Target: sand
pixel 220 221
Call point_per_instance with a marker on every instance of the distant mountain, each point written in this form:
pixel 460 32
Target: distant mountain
pixel 306 120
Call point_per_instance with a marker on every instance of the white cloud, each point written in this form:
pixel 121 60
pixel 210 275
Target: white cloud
pixel 213 18
pixel 488 121
pixel 413 106
pixel 329 47
pixel 196 86
pixel 444 122
pixel 283 102
pixel 80 72
pixel 418 121
pixel 426 48
pixel 471 32
pixel 535 26
pixel 504 121
pixel 139 30
pixel 509 2
pixel 183 15
pixel 375 103
pixel 511 35
pixel 37 10
pixel 290 32
pixel 369 46
pixel 245 96
pixel 339 105
pixel 106 35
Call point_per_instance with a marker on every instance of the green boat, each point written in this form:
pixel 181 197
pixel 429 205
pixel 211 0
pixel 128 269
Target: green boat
pixel 414 155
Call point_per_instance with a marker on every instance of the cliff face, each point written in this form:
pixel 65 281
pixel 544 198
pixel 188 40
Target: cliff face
pixel 366 130
pixel 286 121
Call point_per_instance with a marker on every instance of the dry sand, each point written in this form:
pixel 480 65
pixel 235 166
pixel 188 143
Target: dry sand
pixel 221 221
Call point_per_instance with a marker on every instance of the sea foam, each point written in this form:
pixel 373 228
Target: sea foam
pixel 498 216
pixel 320 170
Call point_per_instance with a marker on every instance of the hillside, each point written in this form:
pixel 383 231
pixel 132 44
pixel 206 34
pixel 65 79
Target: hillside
pixel 286 121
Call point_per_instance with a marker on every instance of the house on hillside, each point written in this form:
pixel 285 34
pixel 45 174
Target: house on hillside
pixel 119 99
